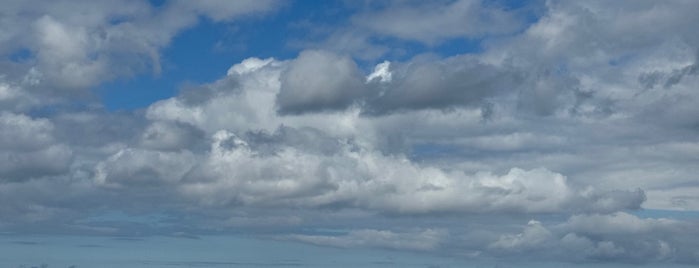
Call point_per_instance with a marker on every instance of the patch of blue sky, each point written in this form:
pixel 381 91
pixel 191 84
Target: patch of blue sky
pixel 205 52
pixel 21 55
pixel 193 57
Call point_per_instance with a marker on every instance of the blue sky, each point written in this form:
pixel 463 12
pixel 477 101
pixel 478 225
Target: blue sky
pixel 203 52
pixel 454 133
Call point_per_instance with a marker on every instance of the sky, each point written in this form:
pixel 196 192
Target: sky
pixel 397 133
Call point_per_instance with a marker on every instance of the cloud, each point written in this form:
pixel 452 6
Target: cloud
pixel 412 240
pixel 438 21
pixel 317 81
pixel 105 41
pixel 321 81
pixel 618 223
pixel 22 132
pixel 253 161
pixel 534 235
pixel 29 150
pixel 393 29
pixel 140 168
pixel 425 83
pixel 170 136
pixel 221 10
pixel 284 171
pixel 617 237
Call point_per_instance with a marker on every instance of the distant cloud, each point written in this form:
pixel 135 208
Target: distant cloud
pixel 619 237
pixel 440 20
pixel 413 240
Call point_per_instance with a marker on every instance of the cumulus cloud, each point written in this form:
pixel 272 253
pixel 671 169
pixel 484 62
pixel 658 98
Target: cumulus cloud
pixel 29 150
pixel 22 132
pixel 90 42
pixel 305 164
pixel 534 235
pixel 347 178
pixel 619 237
pixel 161 135
pixel 140 168
pixel 319 80
pixel 427 83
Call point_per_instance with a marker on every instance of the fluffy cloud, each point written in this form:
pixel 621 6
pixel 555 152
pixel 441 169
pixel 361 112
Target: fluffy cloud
pixel 618 236
pixel 425 83
pixel 308 165
pixel 136 168
pixel 318 81
pixel 77 45
pixel 507 140
pixel 29 150
pixel 534 235
pixel 350 177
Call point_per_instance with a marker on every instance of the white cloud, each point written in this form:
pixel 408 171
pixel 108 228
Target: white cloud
pixel 21 132
pixel 534 235
pixel 141 168
pixel 381 72
pixel 76 46
pixel 618 237
pixel 286 175
pixel 352 171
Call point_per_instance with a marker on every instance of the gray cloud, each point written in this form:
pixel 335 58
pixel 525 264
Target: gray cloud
pixel 439 84
pixel 618 237
pixel 21 132
pixel 414 240
pixel 28 149
pixel 171 136
pixel 317 81
pixel 436 21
